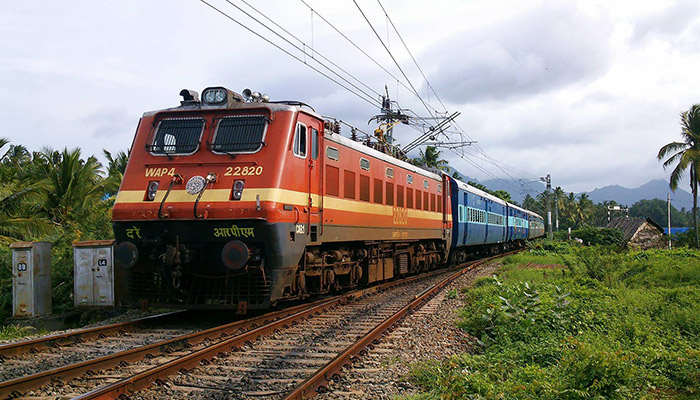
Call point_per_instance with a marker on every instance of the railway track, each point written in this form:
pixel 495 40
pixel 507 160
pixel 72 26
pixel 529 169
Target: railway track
pixel 290 352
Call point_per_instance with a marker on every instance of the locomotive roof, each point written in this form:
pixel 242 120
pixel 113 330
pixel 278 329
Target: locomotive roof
pixel 472 189
pixel 336 137
pixel 274 107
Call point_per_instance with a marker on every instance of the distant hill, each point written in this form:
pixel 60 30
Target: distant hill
pixel 654 189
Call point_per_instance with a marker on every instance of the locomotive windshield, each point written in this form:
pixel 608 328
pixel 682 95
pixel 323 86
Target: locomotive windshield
pixel 177 136
pixel 239 134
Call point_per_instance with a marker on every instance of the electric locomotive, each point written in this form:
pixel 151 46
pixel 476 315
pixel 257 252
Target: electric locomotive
pixel 238 202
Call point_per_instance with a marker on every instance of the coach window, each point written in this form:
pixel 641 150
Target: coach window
pixel 300 141
pixel 409 179
pixel 425 183
pixel 332 153
pixel 389 194
pixel 364 164
pixel 314 143
pixel 390 173
pixel 378 190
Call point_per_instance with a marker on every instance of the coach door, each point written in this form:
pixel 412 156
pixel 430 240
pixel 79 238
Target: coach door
pixel 315 179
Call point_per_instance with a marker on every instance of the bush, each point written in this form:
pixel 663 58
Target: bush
pixel 600 236
pixel 620 325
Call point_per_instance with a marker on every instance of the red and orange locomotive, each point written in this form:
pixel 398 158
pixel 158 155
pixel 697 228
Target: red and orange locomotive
pixel 238 202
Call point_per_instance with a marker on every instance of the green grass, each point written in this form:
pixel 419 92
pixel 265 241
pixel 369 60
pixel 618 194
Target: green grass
pixel 11 332
pixel 611 326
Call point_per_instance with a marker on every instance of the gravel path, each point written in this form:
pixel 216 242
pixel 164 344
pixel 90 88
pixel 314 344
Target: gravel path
pixel 428 334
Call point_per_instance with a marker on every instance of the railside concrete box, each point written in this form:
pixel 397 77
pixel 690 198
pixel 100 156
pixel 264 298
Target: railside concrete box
pixel 93 273
pixel 31 279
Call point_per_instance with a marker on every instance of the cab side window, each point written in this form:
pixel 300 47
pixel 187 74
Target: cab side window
pixel 300 141
pixel 314 143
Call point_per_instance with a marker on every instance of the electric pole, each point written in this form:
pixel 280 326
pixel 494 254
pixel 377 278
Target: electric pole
pixel 669 221
pixel 548 179
pixel 556 211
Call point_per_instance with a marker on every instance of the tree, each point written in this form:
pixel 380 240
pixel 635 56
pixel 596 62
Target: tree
pixel 115 171
pixel 21 195
pixel 74 184
pixel 687 156
pixel 431 159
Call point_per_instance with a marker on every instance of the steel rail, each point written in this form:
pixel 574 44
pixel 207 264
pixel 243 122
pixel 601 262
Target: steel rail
pixel 14 348
pixel 18 386
pixel 316 383
pixel 158 373
pixel 281 318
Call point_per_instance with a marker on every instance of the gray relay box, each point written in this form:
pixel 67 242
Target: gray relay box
pixel 93 273
pixel 31 279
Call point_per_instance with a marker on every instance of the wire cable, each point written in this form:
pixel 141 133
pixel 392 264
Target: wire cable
pixel 393 58
pixel 372 102
pixel 411 54
pixel 314 51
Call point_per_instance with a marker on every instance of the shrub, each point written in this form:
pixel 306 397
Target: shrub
pixel 600 236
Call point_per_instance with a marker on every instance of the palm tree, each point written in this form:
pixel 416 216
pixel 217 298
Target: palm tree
pixel 431 159
pixel 20 197
pixel 115 171
pixel 687 155
pixel 74 183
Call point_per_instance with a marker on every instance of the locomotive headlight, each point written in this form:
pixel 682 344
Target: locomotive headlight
pixel 151 190
pixel 126 254
pixel 235 255
pixel 237 191
pixel 214 95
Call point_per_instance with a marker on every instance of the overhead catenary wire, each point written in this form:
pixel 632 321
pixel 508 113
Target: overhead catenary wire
pixel 415 92
pixel 359 92
pixel 411 54
pixel 368 99
pixel 313 50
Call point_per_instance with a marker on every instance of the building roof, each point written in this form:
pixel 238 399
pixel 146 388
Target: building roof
pixel 630 225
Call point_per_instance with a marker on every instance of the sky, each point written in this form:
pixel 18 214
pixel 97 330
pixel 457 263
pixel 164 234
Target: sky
pixel 587 91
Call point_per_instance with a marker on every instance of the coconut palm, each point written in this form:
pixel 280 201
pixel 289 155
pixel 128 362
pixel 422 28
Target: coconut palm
pixel 115 171
pixel 687 155
pixel 431 159
pixel 74 183
pixel 20 197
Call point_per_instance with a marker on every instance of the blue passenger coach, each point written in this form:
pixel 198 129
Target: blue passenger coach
pixel 483 223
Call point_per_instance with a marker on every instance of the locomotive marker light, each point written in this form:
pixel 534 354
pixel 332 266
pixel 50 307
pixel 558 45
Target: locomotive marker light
pixel 152 190
pixel 237 190
pixel 235 254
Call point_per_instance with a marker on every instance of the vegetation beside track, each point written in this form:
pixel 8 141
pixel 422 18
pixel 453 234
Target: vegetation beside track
pixel 606 324
pixel 54 196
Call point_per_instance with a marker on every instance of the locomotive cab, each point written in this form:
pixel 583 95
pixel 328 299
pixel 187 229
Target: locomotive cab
pixel 205 204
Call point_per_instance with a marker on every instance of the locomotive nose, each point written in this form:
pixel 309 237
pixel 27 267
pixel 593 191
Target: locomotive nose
pixel 234 254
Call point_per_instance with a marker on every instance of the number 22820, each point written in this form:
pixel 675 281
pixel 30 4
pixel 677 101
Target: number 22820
pixel 244 171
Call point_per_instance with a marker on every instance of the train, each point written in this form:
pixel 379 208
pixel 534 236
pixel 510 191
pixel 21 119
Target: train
pixel 238 202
